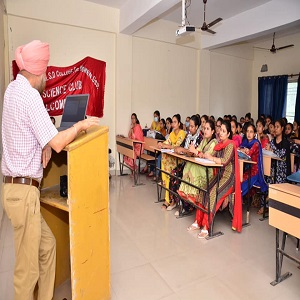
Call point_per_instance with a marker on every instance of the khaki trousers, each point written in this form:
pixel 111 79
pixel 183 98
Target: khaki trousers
pixel 35 246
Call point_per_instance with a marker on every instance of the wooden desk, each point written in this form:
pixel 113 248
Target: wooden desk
pixel 207 165
pixel 81 223
pixel 284 215
pixel 267 163
pixel 125 146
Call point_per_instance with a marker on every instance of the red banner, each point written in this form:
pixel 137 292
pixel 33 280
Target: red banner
pixel 85 77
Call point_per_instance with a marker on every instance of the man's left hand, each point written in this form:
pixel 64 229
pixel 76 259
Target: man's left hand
pixel 46 155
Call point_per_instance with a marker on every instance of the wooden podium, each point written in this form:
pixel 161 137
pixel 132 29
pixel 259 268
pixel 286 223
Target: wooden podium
pixel 80 223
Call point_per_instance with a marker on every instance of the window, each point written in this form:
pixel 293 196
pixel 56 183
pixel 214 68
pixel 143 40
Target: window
pixel 291 100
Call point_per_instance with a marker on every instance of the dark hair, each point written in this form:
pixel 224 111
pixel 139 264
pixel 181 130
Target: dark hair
pixel 248 115
pixel 281 123
pixel 195 119
pixel 235 122
pixel 228 128
pixel 262 116
pixel 158 114
pixel 285 120
pixel 262 121
pixel 212 117
pixel 269 117
pixel 53 120
pixel 164 122
pixel 205 117
pixel 137 120
pixel 250 125
pixel 220 119
pixel 229 117
pixel 213 127
pixel 234 117
pixel 169 120
pixel 291 125
pixel 198 116
pixel 178 117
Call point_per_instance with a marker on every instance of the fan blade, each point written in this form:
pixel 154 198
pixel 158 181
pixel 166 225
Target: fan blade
pixel 261 48
pixel 210 31
pixel 283 47
pixel 214 22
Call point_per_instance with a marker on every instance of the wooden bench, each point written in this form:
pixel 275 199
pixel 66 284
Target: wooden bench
pixel 149 146
pixel 125 146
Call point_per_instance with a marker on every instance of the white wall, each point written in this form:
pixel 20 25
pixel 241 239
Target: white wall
pixel 226 80
pixel 285 61
pixel 164 78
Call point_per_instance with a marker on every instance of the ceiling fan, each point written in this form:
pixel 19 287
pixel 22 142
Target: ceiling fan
pixel 206 27
pixel 273 49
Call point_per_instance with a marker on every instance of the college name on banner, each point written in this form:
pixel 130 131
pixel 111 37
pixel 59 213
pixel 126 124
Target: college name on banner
pixel 85 77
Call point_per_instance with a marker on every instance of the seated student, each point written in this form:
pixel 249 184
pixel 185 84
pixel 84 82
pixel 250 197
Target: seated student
pixel 218 128
pixel 271 129
pixel 163 131
pixel 235 136
pixel 224 153
pixel 261 136
pixel 168 163
pixel 252 147
pixel 193 139
pixel 268 120
pixel 186 125
pixel 135 133
pixel 296 130
pixel 163 128
pixel 242 121
pixel 194 173
pixel 155 124
pixel 288 130
pixel 240 129
pixel 168 126
pixel 281 147
pixel 203 120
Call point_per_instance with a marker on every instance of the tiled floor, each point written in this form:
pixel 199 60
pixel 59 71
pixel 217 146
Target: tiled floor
pixel 154 257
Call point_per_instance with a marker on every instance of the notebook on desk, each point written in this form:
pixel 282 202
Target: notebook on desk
pixel 74 111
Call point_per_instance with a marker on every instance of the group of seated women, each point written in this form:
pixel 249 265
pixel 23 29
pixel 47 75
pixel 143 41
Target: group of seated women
pixel 218 141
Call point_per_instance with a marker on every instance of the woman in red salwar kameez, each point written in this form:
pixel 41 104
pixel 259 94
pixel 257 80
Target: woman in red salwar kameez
pixel 225 153
pixel 135 133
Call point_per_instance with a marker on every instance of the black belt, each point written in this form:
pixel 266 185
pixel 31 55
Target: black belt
pixel 21 180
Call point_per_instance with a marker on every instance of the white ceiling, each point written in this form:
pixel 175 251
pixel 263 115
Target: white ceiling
pixel 243 20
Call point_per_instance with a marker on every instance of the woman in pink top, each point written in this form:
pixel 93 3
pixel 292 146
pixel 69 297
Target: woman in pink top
pixel 135 133
pixel 235 136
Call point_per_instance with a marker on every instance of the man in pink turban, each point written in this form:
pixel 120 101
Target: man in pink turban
pixel 33 57
pixel 28 136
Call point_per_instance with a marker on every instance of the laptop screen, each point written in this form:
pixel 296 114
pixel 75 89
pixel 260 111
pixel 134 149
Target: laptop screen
pixel 75 109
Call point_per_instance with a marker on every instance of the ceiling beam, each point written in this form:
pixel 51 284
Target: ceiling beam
pixel 135 14
pixel 266 18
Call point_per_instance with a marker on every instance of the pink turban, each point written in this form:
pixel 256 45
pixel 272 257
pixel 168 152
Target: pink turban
pixel 33 57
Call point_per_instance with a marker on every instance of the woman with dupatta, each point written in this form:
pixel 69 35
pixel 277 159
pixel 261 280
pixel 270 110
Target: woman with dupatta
pixel 194 173
pixel 252 147
pixel 225 153
pixel 168 163
pixel 135 133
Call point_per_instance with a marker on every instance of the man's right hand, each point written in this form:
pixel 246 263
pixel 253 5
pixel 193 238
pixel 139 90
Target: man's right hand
pixel 87 123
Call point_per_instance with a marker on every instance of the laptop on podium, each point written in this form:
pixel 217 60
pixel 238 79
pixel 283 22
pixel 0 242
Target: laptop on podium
pixel 74 111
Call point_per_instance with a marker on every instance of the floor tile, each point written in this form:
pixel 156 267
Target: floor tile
pixel 141 282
